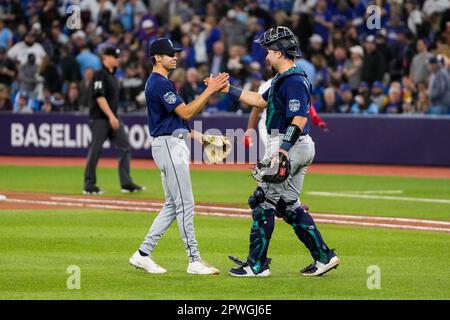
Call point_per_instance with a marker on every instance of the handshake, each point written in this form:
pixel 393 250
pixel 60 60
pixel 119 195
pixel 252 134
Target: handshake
pixel 218 83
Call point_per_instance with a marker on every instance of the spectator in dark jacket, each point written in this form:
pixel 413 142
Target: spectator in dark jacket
pixel 7 68
pixel 373 64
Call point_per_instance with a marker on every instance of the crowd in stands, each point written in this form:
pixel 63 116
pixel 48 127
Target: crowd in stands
pixel 400 66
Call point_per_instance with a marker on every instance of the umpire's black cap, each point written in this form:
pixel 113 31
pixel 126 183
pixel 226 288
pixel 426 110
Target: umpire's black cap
pixel 111 51
pixel 163 46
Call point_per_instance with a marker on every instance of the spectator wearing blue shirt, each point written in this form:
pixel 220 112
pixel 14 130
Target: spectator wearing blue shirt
pixel 6 36
pixel 358 9
pixel 125 13
pixel 187 56
pixel 346 95
pixel 321 76
pixel 22 103
pixel 86 59
pixel 214 33
pixel 378 96
pixel 256 51
pixel 337 67
pixel 342 15
pixel 322 20
pixel 309 69
pixel 364 105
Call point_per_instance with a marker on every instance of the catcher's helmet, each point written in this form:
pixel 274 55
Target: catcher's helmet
pixel 281 39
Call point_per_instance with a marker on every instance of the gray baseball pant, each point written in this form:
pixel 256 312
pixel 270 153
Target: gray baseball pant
pixel 172 155
pixel 301 155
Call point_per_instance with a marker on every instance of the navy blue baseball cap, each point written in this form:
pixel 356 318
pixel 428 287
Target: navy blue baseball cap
pixel 345 87
pixel 163 46
pixel 378 84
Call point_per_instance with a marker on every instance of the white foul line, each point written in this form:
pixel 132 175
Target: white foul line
pixel 366 196
pixel 145 203
pixel 376 192
pixel 159 205
pixel 317 217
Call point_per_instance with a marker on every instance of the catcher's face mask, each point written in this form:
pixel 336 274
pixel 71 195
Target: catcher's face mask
pixel 280 39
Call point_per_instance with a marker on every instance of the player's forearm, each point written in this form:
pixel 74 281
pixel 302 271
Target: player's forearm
pixel 105 107
pixel 197 105
pixel 293 132
pixel 253 118
pixel 299 122
pixel 253 99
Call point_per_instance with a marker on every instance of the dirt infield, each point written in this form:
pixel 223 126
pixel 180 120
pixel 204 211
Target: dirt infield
pixel 347 169
pixel 41 201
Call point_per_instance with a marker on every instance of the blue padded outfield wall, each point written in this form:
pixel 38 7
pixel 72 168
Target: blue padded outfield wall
pixel 383 139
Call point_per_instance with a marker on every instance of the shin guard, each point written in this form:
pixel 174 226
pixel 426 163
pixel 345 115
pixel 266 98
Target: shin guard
pixel 260 234
pixel 307 232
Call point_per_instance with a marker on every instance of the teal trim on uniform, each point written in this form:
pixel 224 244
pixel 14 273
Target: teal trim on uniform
pixel 322 255
pixel 270 102
pixel 257 267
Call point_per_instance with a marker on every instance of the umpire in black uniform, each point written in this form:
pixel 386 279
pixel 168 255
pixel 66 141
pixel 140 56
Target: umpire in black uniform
pixel 105 123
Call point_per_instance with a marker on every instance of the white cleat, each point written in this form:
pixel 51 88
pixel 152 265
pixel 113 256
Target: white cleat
pixel 318 268
pixel 201 267
pixel 246 271
pixel 145 263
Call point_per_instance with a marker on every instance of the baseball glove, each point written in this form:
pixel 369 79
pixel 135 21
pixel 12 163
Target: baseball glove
pixel 272 170
pixel 217 148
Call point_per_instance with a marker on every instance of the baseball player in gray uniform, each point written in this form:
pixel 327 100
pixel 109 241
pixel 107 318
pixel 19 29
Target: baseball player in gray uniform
pixel 288 103
pixel 168 115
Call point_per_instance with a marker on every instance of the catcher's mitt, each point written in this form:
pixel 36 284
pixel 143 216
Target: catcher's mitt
pixel 272 170
pixel 217 148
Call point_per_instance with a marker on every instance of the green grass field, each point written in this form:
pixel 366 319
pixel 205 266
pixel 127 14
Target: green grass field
pixel 37 247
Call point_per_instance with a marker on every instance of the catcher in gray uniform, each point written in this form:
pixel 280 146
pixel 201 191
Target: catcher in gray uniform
pixel 289 151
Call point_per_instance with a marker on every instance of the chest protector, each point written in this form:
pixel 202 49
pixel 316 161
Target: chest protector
pixel 275 105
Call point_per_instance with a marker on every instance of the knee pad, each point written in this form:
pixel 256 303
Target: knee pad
pixel 260 215
pixel 303 217
pixel 256 198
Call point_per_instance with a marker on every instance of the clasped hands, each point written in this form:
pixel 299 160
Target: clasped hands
pixel 218 83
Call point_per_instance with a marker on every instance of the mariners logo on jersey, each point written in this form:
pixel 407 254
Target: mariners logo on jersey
pixel 294 105
pixel 170 97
